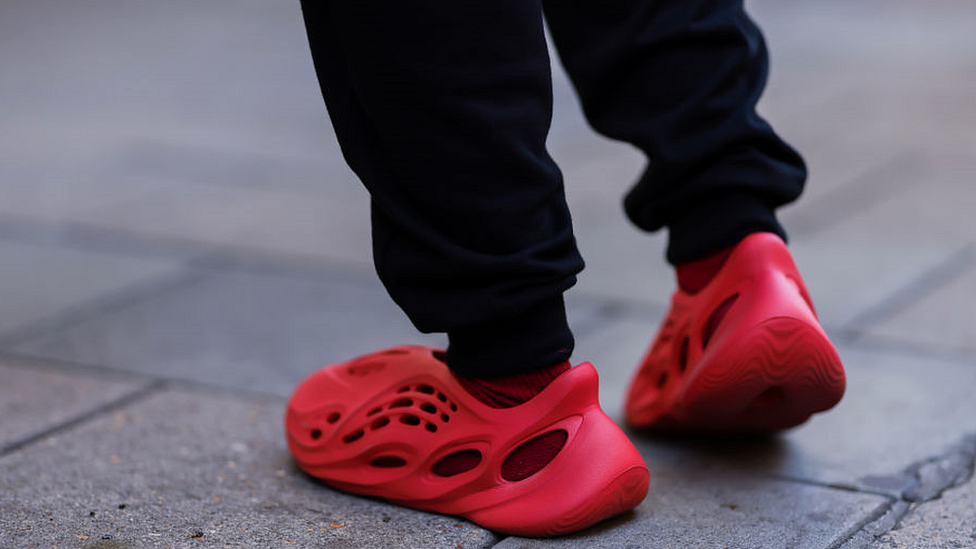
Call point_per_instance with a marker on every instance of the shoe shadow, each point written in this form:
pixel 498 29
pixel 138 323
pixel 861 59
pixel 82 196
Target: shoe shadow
pixel 755 454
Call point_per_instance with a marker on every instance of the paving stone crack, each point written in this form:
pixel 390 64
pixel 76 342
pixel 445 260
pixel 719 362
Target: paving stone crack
pixel 876 525
pixel 940 473
pixel 933 476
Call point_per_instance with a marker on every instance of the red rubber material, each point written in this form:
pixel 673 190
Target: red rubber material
pixel 767 366
pixel 376 425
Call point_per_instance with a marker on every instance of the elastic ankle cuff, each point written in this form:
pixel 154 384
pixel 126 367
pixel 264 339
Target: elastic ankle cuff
pixel 536 338
pixel 717 223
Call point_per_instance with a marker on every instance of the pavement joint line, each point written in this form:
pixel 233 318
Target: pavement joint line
pixel 874 342
pixel 125 400
pixel 886 178
pixel 604 313
pixel 195 386
pixel 266 264
pixel 952 267
pixel 74 367
pixel 89 237
pixel 171 152
pixel 615 308
pixel 111 301
pixel 838 486
pixel 69 367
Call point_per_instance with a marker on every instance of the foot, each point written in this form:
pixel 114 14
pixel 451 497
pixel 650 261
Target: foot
pixel 744 354
pixel 397 424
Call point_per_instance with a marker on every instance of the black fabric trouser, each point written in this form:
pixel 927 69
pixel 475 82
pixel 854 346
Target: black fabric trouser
pixel 442 108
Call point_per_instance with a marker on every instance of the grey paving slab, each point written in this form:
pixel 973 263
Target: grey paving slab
pixel 632 269
pixel 111 79
pixel 247 331
pixel 945 318
pixel 898 411
pixel 41 282
pixel 186 469
pixel 849 271
pixel 946 523
pixel 702 507
pixel 34 399
pixel 856 264
pixel 87 126
pixel 46 190
pixel 330 223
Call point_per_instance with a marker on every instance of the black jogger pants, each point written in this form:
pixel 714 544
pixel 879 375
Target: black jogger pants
pixel 442 107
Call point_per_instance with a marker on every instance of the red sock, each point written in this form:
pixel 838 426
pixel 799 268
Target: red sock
pixel 505 392
pixel 508 391
pixel 695 275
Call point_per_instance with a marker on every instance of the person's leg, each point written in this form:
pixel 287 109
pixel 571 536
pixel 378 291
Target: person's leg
pixel 442 109
pixel 680 80
pixel 741 348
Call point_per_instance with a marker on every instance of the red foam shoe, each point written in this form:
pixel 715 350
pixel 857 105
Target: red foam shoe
pixel 396 424
pixel 744 354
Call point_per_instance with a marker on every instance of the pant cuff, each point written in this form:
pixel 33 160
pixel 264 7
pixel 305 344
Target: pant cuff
pixel 537 338
pixel 717 223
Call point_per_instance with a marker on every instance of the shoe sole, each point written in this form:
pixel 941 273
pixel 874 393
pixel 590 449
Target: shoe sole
pixel 622 494
pixel 378 424
pixel 774 377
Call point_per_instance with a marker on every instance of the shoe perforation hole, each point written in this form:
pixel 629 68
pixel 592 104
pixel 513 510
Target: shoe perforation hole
pixel 533 455
pixel 429 408
pixel 374 411
pixel 403 389
pixel 445 418
pixel 425 389
pixel 388 462
pixel 453 407
pixel 353 436
pixel 716 318
pixel 431 427
pixel 315 434
pixel 409 419
pixel 662 380
pixel 333 418
pixel 402 403
pixel 457 463
pixel 379 423
pixel 442 397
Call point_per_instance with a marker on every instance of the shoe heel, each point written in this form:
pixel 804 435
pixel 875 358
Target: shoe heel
pixel 780 373
pixel 598 475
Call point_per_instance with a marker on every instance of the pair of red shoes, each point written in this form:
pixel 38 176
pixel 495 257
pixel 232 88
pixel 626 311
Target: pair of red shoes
pixel 744 354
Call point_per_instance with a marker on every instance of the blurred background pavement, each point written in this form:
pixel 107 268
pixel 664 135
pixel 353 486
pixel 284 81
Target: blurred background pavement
pixel 181 242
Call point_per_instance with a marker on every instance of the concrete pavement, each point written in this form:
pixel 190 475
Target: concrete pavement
pixel 181 243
